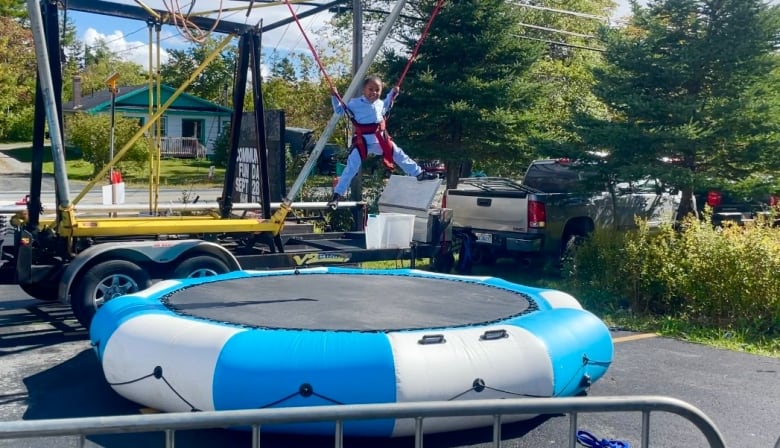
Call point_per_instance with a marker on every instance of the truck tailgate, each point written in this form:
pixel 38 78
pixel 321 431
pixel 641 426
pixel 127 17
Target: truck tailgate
pixel 497 204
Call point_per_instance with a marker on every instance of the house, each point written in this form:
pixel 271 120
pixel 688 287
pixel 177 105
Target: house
pixel 189 126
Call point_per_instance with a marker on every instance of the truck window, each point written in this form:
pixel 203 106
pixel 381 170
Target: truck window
pixel 554 177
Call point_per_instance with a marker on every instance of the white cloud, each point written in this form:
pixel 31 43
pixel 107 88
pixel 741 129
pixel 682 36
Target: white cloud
pixel 127 50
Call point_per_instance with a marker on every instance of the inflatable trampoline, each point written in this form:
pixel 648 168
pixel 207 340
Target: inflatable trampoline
pixel 324 336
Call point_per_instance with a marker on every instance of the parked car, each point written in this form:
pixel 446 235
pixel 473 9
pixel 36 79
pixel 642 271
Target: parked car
pixel 728 206
pixel 434 166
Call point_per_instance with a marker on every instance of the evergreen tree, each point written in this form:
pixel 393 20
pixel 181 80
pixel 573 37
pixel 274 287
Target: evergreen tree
pixel 691 88
pixel 284 70
pixel 467 96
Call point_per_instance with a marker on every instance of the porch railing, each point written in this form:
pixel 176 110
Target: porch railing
pixel 182 147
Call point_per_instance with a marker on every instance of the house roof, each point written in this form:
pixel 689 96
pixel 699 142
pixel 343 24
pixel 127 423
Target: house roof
pixel 137 97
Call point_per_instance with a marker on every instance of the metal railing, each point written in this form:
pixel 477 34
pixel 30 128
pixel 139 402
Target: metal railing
pixel 419 411
pixel 182 147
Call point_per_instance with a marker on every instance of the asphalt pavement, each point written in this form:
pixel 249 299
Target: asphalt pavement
pixel 48 370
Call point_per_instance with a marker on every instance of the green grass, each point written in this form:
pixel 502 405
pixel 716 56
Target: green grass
pixel 173 172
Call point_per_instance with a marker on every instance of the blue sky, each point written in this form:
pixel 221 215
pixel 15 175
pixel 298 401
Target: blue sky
pixel 130 38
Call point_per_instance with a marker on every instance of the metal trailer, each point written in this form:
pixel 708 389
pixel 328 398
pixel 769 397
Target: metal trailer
pixel 85 261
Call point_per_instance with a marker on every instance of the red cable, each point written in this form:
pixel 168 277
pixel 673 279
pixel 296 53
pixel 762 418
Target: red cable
pixel 436 10
pixel 316 57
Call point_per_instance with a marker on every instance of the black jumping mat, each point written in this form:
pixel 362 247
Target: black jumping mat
pixel 348 302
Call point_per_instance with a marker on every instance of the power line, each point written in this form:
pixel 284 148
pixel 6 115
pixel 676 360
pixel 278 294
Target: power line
pixel 562 44
pixel 555 30
pixel 564 11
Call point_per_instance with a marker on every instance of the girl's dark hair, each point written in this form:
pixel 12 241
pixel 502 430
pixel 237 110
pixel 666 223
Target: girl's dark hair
pixel 372 78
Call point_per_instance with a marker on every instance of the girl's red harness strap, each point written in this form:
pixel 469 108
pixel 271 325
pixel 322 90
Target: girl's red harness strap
pixel 384 139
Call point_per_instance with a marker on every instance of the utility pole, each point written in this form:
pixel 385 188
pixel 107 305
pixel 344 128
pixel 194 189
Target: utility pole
pixel 111 82
pixel 356 187
pixel 357 35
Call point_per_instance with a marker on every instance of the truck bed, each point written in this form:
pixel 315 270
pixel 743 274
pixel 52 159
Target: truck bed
pixel 489 203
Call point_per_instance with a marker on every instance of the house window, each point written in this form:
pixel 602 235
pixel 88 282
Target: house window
pixel 193 128
pixel 162 122
pixel 224 127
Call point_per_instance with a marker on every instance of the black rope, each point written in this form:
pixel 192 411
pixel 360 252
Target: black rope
pixel 306 390
pixel 584 378
pixel 157 373
pixel 479 386
pixel 125 383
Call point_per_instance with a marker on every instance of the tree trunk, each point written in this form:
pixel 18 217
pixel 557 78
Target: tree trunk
pixel 455 170
pixel 686 206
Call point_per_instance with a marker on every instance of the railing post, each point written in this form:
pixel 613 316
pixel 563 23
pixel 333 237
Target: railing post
pixel 572 429
pixel 645 429
pixel 497 430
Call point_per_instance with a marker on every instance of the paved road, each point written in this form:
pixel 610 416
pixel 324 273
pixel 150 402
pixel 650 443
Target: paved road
pixel 15 184
pixel 47 370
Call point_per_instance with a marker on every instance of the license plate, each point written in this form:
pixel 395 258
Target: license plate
pixel 484 237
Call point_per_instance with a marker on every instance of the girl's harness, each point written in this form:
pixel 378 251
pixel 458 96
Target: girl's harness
pixel 384 139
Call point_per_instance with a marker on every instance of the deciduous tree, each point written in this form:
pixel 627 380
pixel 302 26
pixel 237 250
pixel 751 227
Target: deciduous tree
pixel 17 80
pixel 91 134
pixel 210 83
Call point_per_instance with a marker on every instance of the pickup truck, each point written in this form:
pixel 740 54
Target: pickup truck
pixel 729 207
pixel 553 206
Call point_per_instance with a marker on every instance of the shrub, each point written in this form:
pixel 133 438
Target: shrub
pixel 91 134
pixel 722 277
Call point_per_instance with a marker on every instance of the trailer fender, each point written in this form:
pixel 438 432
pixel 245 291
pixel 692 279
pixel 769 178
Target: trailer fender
pixel 159 252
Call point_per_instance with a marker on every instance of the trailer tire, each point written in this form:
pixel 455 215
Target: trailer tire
pixel 46 291
pixel 103 282
pixel 200 266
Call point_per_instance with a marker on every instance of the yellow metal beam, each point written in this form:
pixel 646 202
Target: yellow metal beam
pixel 70 226
pixel 166 225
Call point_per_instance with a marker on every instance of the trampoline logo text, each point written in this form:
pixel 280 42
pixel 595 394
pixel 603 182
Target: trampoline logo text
pixel 303 260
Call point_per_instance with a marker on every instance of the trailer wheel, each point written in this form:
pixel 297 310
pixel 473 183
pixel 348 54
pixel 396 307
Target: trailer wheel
pixel 103 282
pixel 200 266
pixel 46 292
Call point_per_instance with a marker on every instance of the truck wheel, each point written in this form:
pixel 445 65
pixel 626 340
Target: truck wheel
pixel 46 292
pixel 103 282
pixel 200 266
